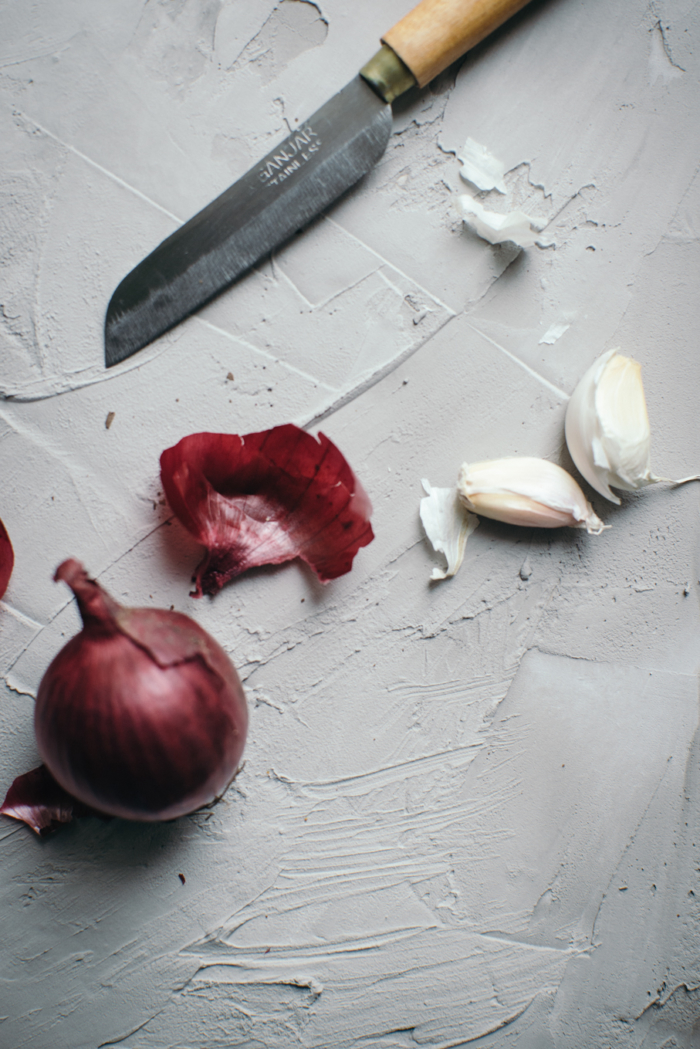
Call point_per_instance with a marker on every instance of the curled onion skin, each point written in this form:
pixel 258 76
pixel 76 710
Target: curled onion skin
pixel 142 714
pixel 7 559
pixel 266 498
pixel 37 800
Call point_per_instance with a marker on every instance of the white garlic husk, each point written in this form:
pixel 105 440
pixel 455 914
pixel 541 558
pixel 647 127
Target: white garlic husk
pixel 607 426
pixel 448 524
pixel 481 168
pixel 534 493
pixel 501 228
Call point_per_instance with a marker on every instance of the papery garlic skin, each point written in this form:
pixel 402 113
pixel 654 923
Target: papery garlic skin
pixel 481 168
pixel 607 426
pixel 512 227
pixel 524 491
pixel 448 524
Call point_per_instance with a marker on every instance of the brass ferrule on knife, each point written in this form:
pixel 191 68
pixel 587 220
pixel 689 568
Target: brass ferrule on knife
pixel 387 74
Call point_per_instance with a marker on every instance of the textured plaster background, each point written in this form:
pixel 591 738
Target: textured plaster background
pixel 470 812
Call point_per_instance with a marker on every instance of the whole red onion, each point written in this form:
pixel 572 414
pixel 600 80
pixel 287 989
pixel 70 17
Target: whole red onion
pixel 142 714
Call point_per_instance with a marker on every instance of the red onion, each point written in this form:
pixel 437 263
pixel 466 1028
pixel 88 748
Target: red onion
pixel 142 714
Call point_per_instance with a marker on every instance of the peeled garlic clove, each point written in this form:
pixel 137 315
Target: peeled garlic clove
pixel 607 426
pixel 448 525
pixel 524 491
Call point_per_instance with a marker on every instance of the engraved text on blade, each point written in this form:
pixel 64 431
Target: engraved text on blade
pixel 293 152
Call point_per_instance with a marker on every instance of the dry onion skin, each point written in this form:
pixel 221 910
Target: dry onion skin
pixel 36 799
pixel 141 715
pixel 7 559
pixel 266 498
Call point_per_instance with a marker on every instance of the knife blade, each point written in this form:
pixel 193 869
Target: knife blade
pixel 295 182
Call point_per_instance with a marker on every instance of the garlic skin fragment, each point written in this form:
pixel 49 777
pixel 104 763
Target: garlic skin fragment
pixel 496 228
pixel 481 168
pixel 530 492
pixel 607 426
pixel 448 525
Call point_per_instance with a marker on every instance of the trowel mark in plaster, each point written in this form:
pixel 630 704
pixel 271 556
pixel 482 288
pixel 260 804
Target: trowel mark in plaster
pixel 322 413
pixel 145 356
pixel 53 50
pixel 215 952
pixel 19 632
pixel 617 883
pixel 421 308
pixel 292 27
pixel 360 783
pixel 134 1030
pixel 512 619
pixel 21 617
pixel 661 64
pixel 358 860
pixel 175 40
pixel 526 367
pixel 428 774
pixel 392 266
pixel 673 1019
pixel 93 163
pixel 367 382
pixel 644 867
pixel 25 205
pixel 271 357
pixel 26 393
pixel 77 474
pixel 384 1036
pixel 503 978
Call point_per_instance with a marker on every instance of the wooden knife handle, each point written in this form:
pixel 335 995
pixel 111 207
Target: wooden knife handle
pixel 436 32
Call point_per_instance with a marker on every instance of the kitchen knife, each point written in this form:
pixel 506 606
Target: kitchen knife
pixel 294 183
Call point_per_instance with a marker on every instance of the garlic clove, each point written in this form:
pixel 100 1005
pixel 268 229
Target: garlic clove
pixel 519 510
pixel 622 411
pixel 582 430
pixel 525 491
pixel 607 426
pixel 448 525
